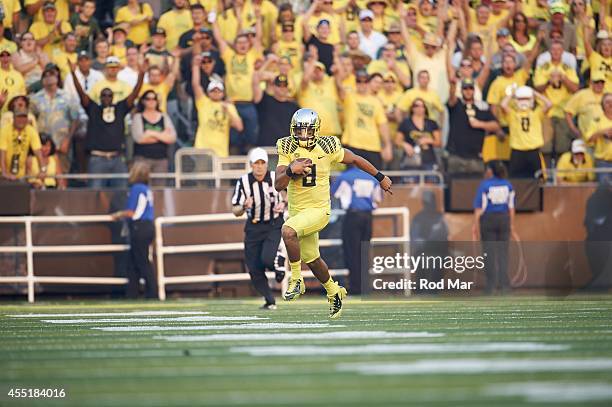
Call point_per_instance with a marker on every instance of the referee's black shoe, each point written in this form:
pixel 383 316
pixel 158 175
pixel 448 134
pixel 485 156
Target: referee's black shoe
pixel 267 306
pixel 279 276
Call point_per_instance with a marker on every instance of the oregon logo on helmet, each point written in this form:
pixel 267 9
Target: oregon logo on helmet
pixel 305 126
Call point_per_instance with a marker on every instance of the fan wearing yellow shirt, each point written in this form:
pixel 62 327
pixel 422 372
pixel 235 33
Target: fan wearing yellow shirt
pixel 67 54
pixel 318 91
pixel 389 62
pixel 11 13
pixel 599 136
pixel 585 105
pixel 176 22
pixel 422 91
pixel 160 85
pixel 36 8
pixel 510 78
pixel 557 82
pixel 15 142
pixel 48 31
pixel 366 129
pixel 11 81
pixel 239 65
pixel 136 17
pixel 305 160
pixel 289 47
pixel 121 89
pixel 215 115
pixel 118 39
pixel 321 10
pixel 576 159
pixel 525 118
pixel 600 59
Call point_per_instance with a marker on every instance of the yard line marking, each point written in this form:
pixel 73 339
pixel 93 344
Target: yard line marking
pixel 110 314
pixel 553 392
pixel 254 325
pixel 373 349
pixel 178 319
pixel 294 336
pixel 475 366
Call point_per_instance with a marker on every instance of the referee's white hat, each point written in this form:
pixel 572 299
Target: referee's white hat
pixel 257 154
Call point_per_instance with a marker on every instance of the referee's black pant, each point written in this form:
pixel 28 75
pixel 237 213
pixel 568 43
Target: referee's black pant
pixel 495 235
pixel 142 234
pixel 356 230
pixel 261 242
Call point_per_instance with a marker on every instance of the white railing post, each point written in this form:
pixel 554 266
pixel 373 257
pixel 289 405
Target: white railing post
pixel 159 254
pixel 29 259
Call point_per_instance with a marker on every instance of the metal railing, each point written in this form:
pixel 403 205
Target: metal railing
pixel 552 174
pixel 30 249
pixel 162 250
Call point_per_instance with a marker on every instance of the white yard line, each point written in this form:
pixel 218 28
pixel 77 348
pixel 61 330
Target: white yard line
pixel 110 314
pixel 405 348
pixel 254 325
pixel 298 336
pixel 476 366
pixel 553 392
pixel 177 319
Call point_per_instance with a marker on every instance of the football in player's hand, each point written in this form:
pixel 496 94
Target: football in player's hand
pixel 307 162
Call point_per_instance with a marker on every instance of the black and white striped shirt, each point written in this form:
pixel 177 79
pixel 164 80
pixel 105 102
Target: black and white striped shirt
pixel 265 196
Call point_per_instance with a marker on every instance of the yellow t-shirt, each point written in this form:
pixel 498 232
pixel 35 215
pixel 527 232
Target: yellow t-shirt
pixel 293 51
pixel 493 22
pixel 580 51
pixel 16 145
pixel 8 44
pixel 431 99
pixel 389 101
pixel 380 66
pixel 334 26
pixel 209 5
pixel 497 91
pixel 362 116
pixel 269 15
pixel 523 49
pixel 323 98
pixel 139 33
pixel 311 191
pixel 557 94
pixel 239 76
pixel 487 33
pixel 49 181
pixel 7 120
pixel 586 105
pixel 532 9
pixel 566 163
pixel 61 58
pixel 41 30
pixel 62 6
pixel 10 8
pixel 121 90
pixel 436 66
pixel 176 23
pixel 228 25
pixel 162 90
pixel 603 146
pixel 525 127
pixel 214 125
pixel 119 52
pixel 12 81
pixel 598 63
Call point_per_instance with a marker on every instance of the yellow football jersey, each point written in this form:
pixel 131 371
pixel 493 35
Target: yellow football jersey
pixel 310 191
pixel 525 127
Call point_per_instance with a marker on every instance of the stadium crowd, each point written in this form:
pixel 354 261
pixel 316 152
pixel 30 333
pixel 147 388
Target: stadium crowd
pixel 422 84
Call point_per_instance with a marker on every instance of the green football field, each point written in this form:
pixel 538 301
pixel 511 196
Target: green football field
pixel 424 352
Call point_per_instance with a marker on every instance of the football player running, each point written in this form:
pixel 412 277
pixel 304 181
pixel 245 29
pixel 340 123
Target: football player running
pixel 304 166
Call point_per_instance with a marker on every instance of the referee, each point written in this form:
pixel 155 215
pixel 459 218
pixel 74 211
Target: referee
pixel 494 218
pixel 255 194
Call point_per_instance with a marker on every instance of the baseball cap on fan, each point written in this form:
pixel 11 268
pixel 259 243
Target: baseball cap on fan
pixel 257 154
pixel 578 146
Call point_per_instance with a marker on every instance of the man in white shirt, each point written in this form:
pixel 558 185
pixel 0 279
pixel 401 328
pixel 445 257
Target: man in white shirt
pixel 86 75
pixel 129 73
pixel 370 41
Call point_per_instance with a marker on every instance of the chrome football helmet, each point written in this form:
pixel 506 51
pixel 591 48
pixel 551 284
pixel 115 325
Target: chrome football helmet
pixel 305 126
pixel 525 99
